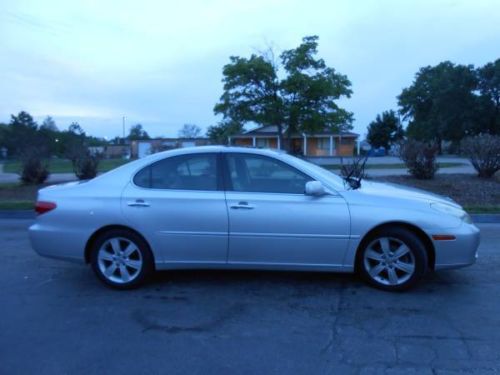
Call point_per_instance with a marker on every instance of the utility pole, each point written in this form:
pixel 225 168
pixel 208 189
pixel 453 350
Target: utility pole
pixel 123 124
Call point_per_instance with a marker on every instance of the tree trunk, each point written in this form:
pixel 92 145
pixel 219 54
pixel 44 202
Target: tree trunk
pixel 439 145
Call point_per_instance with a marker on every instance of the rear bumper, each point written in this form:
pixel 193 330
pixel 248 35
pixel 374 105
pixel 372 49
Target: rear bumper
pixel 461 252
pixel 54 243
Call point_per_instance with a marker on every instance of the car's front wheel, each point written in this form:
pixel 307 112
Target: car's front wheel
pixel 393 259
pixel 121 259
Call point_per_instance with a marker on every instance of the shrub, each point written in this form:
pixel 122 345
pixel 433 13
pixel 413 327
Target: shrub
pixel 34 170
pixel 420 158
pixel 85 165
pixel 483 151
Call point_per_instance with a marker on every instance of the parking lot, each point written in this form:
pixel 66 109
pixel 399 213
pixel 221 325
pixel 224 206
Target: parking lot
pixel 55 317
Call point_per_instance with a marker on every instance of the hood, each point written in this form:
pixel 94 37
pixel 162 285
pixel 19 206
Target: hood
pixel 390 190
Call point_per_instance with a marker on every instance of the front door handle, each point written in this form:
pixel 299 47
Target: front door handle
pixel 242 205
pixel 138 203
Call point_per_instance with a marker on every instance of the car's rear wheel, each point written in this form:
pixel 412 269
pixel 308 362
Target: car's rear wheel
pixel 121 259
pixel 393 259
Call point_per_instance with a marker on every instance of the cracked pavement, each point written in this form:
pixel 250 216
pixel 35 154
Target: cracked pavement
pixel 55 317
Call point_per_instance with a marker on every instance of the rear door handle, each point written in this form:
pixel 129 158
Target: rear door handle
pixel 242 205
pixel 138 203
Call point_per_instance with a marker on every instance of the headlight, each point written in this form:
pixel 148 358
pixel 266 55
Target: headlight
pixel 453 211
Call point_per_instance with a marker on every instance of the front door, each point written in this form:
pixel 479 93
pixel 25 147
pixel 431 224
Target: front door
pixel 272 221
pixel 178 204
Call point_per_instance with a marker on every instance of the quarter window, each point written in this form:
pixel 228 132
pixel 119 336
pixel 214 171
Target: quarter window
pixel 256 173
pixel 185 172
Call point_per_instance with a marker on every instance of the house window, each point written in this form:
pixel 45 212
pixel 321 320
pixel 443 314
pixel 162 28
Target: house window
pixel 324 144
pixel 262 142
pixel 346 141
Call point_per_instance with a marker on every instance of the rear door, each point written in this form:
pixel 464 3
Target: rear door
pixel 272 221
pixel 178 204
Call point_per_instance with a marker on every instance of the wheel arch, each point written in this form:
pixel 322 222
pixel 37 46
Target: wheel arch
pixel 98 232
pixel 422 236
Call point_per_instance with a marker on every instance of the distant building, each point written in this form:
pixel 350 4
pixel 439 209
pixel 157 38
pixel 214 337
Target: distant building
pixel 139 149
pixel 317 144
pixel 116 151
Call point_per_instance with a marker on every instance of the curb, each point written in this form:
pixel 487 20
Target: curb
pixel 17 214
pixel 30 214
pixel 485 218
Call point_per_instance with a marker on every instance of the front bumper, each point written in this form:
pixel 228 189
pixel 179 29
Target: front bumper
pixel 461 252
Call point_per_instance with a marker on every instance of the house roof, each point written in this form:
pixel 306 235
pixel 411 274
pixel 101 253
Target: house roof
pixel 272 130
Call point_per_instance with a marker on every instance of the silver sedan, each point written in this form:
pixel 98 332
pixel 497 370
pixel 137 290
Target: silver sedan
pixel 240 208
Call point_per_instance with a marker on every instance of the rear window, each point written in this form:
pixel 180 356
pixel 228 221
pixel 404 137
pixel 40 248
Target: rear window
pixel 185 172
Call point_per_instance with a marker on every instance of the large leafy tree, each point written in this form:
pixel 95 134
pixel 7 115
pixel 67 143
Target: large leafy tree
pixel 489 100
pixel 385 130
pixel 220 133
pixel 189 131
pixel 137 133
pixel 23 135
pixel 301 99
pixel 49 124
pixel 440 104
pixel 48 133
pixel 4 138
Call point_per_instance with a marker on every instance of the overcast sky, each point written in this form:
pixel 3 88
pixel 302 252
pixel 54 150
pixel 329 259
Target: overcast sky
pixel 159 63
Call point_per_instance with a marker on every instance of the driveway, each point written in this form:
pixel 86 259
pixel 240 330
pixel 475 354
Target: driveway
pixel 55 317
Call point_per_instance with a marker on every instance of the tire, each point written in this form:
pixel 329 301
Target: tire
pixel 121 259
pixel 392 259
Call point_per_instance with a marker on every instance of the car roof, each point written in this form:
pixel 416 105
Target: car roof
pixel 198 149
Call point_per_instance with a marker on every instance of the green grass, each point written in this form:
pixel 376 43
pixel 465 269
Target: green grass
pixel 392 166
pixel 16 205
pixel 9 185
pixel 64 165
pixel 482 209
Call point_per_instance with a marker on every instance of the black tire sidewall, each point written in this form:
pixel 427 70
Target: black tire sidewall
pixel 148 263
pixel 414 244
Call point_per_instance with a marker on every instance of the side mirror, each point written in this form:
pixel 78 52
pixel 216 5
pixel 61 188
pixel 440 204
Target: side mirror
pixel 315 188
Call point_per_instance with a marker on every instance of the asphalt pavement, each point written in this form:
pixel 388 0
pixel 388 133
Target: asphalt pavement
pixel 56 318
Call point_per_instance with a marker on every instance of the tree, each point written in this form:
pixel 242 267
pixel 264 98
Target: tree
pixel 189 131
pixel 74 142
pixel 76 129
pixel 23 135
pixel 385 130
pixel 4 137
pixel 23 119
pixel 440 104
pixel 310 90
pixel 49 124
pixel 137 133
pixel 48 133
pixel 489 87
pixel 219 134
pixel 303 100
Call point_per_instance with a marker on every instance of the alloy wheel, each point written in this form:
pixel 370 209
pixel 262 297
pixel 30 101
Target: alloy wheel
pixel 389 261
pixel 119 260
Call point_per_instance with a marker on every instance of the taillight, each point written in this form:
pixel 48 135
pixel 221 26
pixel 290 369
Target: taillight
pixel 42 207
